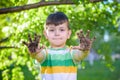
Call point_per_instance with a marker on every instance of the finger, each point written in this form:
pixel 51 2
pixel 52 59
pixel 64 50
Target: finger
pixel 75 47
pixel 25 43
pixel 38 38
pixel 93 39
pixel 43 46
pixel 40 48
pixel 29 37
pixel 35 37
pixel 78 35
pixel 83 42
pixel 88 33
pixel 81 35
pixel 87 39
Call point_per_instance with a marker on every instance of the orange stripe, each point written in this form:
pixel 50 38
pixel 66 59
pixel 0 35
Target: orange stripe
pixel 58 69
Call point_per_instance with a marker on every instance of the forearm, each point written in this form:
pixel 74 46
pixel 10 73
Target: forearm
pixel 80 55
pixel 83 55
pixel 39 57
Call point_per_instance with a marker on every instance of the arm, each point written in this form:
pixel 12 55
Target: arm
pixel 41 56
pixel 37 52
pixel 82 50
pixel 79 55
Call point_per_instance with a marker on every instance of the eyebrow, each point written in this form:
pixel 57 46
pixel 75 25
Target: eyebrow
pixel 62 27
pixel 51 26
pixel 59 27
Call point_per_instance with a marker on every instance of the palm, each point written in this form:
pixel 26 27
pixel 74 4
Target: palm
pixel 85 41
pixel 33 45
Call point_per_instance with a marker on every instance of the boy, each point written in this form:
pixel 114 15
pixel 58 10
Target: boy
pixel 59 62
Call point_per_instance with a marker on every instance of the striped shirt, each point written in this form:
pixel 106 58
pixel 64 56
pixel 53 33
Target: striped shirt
pixel 58 65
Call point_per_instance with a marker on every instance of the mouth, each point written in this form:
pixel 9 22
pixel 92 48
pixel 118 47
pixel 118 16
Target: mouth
pixel 57 38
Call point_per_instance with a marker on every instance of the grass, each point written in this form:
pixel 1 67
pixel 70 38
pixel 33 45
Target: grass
pixel 99 72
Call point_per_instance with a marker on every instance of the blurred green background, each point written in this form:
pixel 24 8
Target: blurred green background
pixel 101 18
pixel 99 72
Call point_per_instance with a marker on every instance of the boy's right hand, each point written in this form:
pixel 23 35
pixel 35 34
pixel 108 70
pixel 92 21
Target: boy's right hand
pixel 33 45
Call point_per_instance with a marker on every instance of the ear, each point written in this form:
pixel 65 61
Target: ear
pixel 45 34
pixel 69 34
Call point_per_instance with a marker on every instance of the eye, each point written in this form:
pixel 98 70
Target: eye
pixel 51 30
pixel 62 29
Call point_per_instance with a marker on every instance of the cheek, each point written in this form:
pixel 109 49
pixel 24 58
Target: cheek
pixel 65 35
pixel 49 35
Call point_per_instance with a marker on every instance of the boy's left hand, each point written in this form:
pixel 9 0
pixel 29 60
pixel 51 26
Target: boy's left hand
pixel 85 41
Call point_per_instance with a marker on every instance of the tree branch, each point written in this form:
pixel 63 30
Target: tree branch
pixel 31 6
pixel 7 47
pixel 95 0
pixel 4 39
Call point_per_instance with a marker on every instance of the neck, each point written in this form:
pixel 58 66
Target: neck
pixel 56 47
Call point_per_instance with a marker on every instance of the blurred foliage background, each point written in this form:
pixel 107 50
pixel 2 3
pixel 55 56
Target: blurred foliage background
pixel 101 18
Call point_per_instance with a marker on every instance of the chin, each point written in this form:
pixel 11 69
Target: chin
pixel 58 45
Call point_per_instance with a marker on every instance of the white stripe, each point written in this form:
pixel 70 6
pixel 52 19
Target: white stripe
pixel 58 52
pixel 59 76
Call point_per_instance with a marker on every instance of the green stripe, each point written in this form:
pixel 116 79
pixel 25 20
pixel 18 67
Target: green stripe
pixel 59 56
pixel 56 49
pixel 50 63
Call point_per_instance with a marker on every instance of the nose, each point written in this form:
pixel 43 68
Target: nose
pixel 56 33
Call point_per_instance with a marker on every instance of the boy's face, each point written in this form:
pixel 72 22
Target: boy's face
pixel 57 35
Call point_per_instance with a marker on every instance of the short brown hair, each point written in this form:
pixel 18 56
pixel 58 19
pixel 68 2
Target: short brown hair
pixel 57 18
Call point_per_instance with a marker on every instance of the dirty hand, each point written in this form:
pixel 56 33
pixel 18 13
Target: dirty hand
pixel 33 45
pixel 85 41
